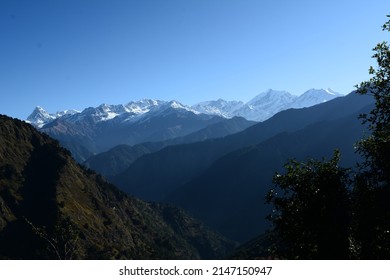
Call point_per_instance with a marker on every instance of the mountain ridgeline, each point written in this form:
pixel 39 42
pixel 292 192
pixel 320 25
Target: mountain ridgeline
pixel 53 208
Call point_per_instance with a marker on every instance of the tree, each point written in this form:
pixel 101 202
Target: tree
pixel 372 188
pixel 376 148
pixel 311 214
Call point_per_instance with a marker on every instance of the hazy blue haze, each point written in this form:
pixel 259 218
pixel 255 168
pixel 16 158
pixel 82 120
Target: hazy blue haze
pixel 76 53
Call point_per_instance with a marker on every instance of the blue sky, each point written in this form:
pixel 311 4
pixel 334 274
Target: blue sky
pixel 67 54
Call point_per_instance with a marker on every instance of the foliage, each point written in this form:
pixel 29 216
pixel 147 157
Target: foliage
pixel 311 214
pixel 376 147
pixel 372 188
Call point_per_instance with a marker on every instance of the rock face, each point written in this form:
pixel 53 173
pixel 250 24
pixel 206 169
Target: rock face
pixel 51 208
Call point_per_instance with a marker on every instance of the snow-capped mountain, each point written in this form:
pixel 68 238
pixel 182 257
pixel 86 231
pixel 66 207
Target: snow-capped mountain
pixel 143 106
pixel 39 117
pixel 130 112
pixel 266 104
pixel 313 97
pixel 166 108
pixel 260 108
pixel 97 129
pixel 218 107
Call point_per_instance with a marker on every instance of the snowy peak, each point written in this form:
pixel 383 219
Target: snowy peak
pixel 321 92
pixel 271 96
pixel 39 117
pixel 142 106
pixel 218 107
pixel 107 112
pixel 332 92
pixel 261 107
pixel 66 113
pixel 169 107
pixel 313 97
pixel 131 112
pixel 39 112
pixel 265 104
pixel 177 105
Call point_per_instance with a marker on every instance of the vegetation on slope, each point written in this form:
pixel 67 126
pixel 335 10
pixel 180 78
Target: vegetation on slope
pixel 51 207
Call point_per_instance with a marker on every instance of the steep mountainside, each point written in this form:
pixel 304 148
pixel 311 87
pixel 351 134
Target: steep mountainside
pixel 155 175
pixel 50 207
pixel 119 158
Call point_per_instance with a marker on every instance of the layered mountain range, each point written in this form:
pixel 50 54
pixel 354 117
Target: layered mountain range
pixel 223 181
pixel 208 174
pixel 207 159
pixel 96 130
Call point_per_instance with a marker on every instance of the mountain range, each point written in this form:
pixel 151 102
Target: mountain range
pixel 259 108
pixel 96 130
pixel 266 104
pixel 157 149
pixel 202 160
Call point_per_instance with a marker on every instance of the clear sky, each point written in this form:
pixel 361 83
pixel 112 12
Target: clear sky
pixel 71 54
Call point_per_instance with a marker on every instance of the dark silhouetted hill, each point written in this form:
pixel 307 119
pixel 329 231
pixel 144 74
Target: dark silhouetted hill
pixel 51 207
